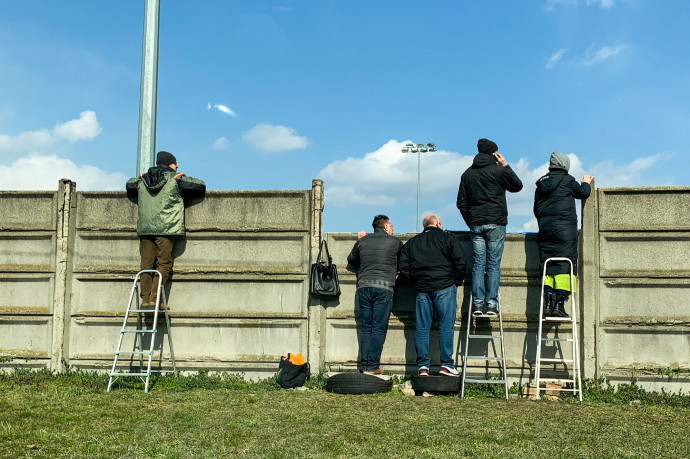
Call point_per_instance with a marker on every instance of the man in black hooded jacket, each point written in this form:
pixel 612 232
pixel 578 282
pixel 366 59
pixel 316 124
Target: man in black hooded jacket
pixel 554 207
pixel 482 203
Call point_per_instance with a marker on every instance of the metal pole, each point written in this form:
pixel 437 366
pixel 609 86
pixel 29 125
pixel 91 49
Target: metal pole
pixel 419 166
pixel 146 143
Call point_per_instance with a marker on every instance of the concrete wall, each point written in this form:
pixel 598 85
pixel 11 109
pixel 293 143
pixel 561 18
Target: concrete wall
pixel 239 294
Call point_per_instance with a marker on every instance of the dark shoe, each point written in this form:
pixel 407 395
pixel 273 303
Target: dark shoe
pixel 477 309
pixel 492 311
pixel 559 308
pixel 423 371
pixel 548 304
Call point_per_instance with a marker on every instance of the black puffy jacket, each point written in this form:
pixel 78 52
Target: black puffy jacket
pixel 482 192
pixel 375 260
pixel 432 260
pixel 554 207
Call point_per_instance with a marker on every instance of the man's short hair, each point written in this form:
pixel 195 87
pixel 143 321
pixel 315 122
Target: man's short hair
pixel 380 222
pixel 430 220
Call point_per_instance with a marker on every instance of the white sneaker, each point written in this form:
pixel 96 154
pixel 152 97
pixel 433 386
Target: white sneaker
pixel 449 371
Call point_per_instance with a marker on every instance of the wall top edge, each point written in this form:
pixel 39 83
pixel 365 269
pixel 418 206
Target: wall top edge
pixel 644 189
pixel 213 193
pixel 28 194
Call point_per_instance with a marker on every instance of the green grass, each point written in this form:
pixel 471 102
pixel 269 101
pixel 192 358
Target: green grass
pixel 209 416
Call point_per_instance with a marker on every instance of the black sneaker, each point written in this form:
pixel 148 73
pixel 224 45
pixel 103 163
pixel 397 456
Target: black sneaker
pixel 492 311
pixel 449 371
pixel 477 310
pixel 423 371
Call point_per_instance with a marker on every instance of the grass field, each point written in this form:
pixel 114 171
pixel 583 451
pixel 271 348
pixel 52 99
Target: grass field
pixel 42 415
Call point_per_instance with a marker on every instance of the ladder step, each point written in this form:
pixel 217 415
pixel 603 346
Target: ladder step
pixel 568 340
pixel 138 331
pixel 486 336
pixel 480 357
pixel 560 390
pixel 115 373
pixel 133 352
pixel 557 360
pixel 557 319
pixel 142 310
pixel 487 381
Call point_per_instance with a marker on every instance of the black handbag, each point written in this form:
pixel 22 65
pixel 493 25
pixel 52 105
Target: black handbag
pixel 291 375
pixel 324 277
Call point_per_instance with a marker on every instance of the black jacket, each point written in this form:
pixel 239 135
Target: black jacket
pixel 375 260
pixel 482 192
pixel 432 260
pixel 554 207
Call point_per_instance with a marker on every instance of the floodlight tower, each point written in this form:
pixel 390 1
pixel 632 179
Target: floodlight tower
pixel 418 148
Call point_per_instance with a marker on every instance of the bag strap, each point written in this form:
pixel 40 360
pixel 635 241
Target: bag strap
pixel 318 258
pixel 328 254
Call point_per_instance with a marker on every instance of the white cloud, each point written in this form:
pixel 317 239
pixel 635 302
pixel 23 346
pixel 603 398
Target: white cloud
pixel 221 143
pixel 605 4
pixel 84 128
pixel 555 57
pixel 602 54
pixel 221 108
pixel 380 177
pixel 42 172
pixel 270 138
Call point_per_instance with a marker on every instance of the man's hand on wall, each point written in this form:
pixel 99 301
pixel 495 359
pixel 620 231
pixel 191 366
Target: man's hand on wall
pixel 587 179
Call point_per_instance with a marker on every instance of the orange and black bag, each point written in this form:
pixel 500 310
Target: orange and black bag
pixel 292 371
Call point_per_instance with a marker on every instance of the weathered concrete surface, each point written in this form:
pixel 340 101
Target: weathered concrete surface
pixel 239 293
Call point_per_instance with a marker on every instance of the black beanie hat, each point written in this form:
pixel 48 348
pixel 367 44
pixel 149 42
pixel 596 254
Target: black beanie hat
pixel 165 159
pixel 487 146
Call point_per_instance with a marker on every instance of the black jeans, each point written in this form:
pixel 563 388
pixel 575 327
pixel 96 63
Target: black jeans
pixel 375 306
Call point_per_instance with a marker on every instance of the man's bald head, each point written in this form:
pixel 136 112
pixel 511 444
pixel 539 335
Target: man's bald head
pixel 432 220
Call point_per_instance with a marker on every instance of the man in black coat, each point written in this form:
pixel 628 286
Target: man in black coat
pixel 554 207
pixel 374 258
pixel 482 203
pixel 433 262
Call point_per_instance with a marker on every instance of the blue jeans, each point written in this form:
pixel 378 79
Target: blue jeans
pixel 375 306
pixel 487 244
pixel 445 303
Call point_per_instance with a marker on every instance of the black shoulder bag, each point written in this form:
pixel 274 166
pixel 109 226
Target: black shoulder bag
pixel 324 277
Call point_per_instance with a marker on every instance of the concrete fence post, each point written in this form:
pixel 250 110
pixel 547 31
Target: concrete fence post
pixel 315 308
pixel 589 284
pixel 61 305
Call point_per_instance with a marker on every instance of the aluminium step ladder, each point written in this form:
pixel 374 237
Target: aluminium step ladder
pixel 140 331
pixel 575 361
pixel 491 338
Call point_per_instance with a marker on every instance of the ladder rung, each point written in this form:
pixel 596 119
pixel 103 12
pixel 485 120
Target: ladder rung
pixel 479 357
pixel 485 316
pixel 558 339
pixel 557 360
pixel 487 381
pixel 557 319
pixel 138 331
pixel 561 390
pixel 114 373
pixel 133 352
pixel 556 380
pixel 486 336
pixel 142 310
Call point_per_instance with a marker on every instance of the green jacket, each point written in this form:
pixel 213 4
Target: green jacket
pixel 160 194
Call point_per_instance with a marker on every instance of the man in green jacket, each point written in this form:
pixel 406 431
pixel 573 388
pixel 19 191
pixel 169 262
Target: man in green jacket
pixel 160 194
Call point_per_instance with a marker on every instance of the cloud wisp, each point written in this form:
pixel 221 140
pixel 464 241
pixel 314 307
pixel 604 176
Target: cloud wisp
pixel 597 57
pixel 604 4
pixel 555 57
pixel 221 143
pixel 221 108
pixel 86 127
pixel 274 139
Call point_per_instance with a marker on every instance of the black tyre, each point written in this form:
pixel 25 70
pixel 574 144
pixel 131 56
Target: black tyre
pixel 357 383
pixel 436 383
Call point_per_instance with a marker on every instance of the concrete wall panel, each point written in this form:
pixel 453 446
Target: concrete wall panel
pixel 27 251
pixel 26 293
pixel 659 254
pixel 669 209
pixel 645 347
pixel 25 337
pixel 644 300
pixel 28 210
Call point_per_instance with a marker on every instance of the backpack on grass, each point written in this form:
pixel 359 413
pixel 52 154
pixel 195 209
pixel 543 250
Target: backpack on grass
pixel 292 371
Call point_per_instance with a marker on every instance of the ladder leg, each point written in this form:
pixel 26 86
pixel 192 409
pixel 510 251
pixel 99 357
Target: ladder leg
pixel 503 349
pixel 124 324
pixel 167 323
pixel 465 352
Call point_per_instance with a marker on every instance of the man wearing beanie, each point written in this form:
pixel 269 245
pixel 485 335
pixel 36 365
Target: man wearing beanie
pixel 160 194
pixel 554 207
pixel 482 203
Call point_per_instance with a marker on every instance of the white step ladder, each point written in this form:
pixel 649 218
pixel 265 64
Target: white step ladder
pixel 501 360
pixel 575 361
pixel 140 331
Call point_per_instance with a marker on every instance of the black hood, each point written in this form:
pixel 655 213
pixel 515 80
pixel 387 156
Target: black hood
pixel 483 160
pixel 154 179
pixel 550 181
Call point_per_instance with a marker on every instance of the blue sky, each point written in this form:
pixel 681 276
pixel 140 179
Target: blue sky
pixel 271 94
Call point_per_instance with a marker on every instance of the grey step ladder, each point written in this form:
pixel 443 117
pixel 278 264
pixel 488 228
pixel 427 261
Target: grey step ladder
pixel 491 338
pixel 575 361
pixel 134 307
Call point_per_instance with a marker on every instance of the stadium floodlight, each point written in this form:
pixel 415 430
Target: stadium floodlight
pixel 418 148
